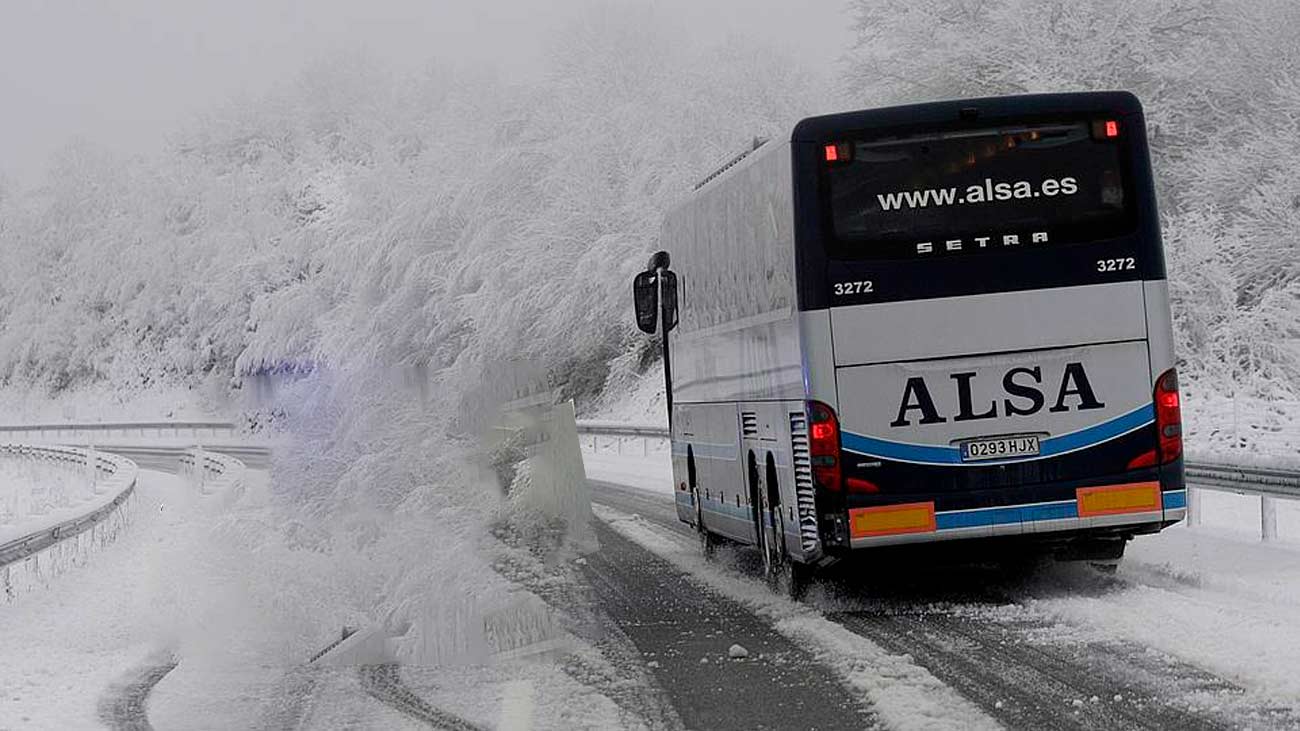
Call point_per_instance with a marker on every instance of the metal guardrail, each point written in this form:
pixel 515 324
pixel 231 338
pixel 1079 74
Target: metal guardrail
pixel 122 427
pixel 210 469
pixel 619 429
pixel 114 466
pixel 1250 480
pixel 106 436
pixel 163 457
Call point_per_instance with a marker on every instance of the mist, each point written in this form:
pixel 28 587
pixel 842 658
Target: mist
pixel 123 75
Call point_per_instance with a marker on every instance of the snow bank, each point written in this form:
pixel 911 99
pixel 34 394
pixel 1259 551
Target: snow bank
pixel 550 482
pixel 37 494
pixel 1242 430
pixel 653 472
pixel 1228 605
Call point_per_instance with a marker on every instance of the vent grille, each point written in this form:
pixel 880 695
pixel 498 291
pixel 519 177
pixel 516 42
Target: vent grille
pixel 803 484
pixel 749 423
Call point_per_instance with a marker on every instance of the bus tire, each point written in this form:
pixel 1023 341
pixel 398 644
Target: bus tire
pixel 708 542
pixel 792 579
pixel 784 575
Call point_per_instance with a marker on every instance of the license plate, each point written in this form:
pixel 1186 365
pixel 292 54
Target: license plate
pixel 977 450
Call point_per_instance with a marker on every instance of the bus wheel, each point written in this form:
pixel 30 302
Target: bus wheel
pixel 792 579
pixel 784 575
pixel 708 542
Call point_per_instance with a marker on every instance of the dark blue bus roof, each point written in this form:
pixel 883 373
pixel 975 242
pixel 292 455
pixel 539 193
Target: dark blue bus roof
pixel 973 111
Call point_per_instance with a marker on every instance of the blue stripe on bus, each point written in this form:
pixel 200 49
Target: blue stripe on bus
pixel 704 450
pixel 1050 447
pixel 998 515
pixel 1102 432
pixel 975 518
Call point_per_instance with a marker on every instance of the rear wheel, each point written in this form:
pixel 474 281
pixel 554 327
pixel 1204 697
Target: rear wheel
pixel 785 575
pixel 708 542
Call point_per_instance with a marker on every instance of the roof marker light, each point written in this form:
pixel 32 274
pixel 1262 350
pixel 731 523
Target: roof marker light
pixel 832 153
pixel 1112 128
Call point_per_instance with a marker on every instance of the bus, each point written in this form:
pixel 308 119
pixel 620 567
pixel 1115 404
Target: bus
pixel 938 322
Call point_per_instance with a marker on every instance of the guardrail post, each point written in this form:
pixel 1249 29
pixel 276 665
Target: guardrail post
pixel 1267 518
pixel 90 468
pixel 1193 506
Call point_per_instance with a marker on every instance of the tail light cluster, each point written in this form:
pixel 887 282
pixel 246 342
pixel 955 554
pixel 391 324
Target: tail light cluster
pixel 1169 424
pixel 824 445
pixel 1169 416
pixel 824 448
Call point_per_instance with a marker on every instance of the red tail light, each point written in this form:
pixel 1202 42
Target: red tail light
pixel 824 444
pixel 1146 459
pixel 1169 416
pixel 856 485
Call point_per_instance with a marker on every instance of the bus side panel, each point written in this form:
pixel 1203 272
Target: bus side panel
pixel 1160 327
pixel 766 434
pixel 707 433
pixel 732 247
pixel 731 244
pixel 818 356
pixel 684 478
pixel 1160 341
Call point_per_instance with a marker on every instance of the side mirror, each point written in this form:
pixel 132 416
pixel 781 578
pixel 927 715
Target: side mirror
pixel 669 291
pixel 645 293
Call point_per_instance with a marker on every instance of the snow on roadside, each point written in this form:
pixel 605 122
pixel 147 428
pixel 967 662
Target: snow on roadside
pixel 652 472
pixel 35 495
pixel 902 693
pixel 1236 516
pixel 98 403
pixel 1228 605
pixel 1241 430
pixel 65 645
pixel 642 402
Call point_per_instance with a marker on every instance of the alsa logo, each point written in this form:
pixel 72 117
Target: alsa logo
pixel 981 242
pixel 1024 396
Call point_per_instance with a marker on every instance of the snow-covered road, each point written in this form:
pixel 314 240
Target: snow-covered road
pixel 61 648
pixel 89 649
pixel 1199 629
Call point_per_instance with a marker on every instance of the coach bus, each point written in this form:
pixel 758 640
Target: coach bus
pixel 938 322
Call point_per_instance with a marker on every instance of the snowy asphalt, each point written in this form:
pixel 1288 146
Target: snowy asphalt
pixel 965 624
pixel 684 633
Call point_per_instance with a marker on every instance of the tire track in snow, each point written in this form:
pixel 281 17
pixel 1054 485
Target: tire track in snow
pixel 684 631
pixel 616 669
pixel 123 708
pixel 973 634
pixel 1026 685
pixel 384 683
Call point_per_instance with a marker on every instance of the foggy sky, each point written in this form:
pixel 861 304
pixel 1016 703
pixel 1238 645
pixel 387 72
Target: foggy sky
pixel 125 73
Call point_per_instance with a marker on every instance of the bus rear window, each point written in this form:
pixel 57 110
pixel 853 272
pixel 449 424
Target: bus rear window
pixel 968 191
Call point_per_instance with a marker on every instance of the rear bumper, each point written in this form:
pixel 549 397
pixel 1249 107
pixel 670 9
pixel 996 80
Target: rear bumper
pixel 1141 502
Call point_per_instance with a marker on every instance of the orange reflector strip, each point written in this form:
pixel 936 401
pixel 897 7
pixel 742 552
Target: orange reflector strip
pixel 888 520
pixel 1135 497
